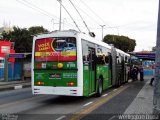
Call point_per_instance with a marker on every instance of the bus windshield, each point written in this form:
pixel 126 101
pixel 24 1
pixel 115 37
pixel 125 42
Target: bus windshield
pixel 55 49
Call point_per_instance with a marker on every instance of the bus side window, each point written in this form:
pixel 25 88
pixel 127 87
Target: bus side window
pixel 85 52
pixel 99 55
pixel 106 59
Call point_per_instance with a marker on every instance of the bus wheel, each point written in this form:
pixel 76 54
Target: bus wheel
pixel 100 88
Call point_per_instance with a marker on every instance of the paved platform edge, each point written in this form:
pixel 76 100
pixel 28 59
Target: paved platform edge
pixel 15 86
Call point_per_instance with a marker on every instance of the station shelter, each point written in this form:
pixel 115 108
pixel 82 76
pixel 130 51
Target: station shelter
pixel 12 60
pixel 147 59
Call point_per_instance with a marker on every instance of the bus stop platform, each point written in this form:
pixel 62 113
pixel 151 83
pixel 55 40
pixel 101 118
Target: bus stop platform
pixel 11 85
pixel 136 100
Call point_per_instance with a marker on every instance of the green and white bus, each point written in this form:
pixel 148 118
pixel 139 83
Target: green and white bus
pixel 74 64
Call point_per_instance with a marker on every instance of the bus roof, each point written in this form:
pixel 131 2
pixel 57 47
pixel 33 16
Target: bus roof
pixel 72 33
pixel 122 52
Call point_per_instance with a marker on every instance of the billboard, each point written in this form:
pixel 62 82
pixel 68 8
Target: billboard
pixel 6 48
pixel 55 49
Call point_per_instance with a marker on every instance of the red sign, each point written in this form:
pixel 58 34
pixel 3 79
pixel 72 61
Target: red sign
pixel 6 48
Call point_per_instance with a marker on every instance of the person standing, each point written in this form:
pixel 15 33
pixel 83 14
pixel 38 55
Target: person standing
pixel 141 73
pixel 136 72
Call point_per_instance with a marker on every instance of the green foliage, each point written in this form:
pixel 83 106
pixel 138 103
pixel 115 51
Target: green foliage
pixel 23 37
pixel 154 49
pixel 121 42
pixel 37 30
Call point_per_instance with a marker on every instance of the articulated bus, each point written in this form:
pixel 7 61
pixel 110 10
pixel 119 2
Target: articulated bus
pixel 74 64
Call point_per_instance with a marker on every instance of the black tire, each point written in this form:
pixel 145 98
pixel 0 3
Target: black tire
pixel 100 88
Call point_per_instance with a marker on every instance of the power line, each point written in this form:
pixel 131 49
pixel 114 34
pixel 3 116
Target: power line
pixel 80 16
pixel 87 15
pixel 96 14
pixel 34 8
pixel 38 9
pixel 69 15
pixel 44 11
pixel 91 10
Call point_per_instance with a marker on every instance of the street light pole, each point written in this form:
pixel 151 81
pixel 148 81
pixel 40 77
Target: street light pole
pixel 64 20
pixel 60 1
pixel 52 20
pixel 102 30
pixel 117 30
pixel 156 97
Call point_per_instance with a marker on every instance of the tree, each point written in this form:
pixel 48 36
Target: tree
pixel 154 49
pixel 123 43
pixel 37 30
pixel 23 38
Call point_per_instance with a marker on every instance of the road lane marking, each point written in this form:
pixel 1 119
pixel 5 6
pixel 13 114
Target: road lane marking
pixel 20 101
pixel 129 81
pixel 111 118
pixel 84 111
pixel 115 90
pixel 18 87
pixel 87 104
pixel 60 118
pixel 104 95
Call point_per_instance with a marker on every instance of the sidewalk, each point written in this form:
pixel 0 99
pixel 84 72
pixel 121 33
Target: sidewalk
pixel 11 85
pixel 137 99
pixel 143 103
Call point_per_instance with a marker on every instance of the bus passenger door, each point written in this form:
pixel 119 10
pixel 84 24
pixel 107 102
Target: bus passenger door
pixel 92 69
pixel 110 69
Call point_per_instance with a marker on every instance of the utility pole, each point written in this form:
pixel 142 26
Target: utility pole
pixel 52 20
pixel 117 30
pixel 156 97
pixel 64 20
pixel 60 1
pixel 102 30
pixel 6 68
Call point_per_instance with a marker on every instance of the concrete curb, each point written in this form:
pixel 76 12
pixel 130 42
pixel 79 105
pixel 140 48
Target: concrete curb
pixel 3 83
pixel 14 86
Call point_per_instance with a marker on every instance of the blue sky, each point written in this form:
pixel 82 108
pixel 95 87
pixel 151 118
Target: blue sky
pixel 136 19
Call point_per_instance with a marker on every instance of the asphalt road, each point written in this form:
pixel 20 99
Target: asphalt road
pixel 21 104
